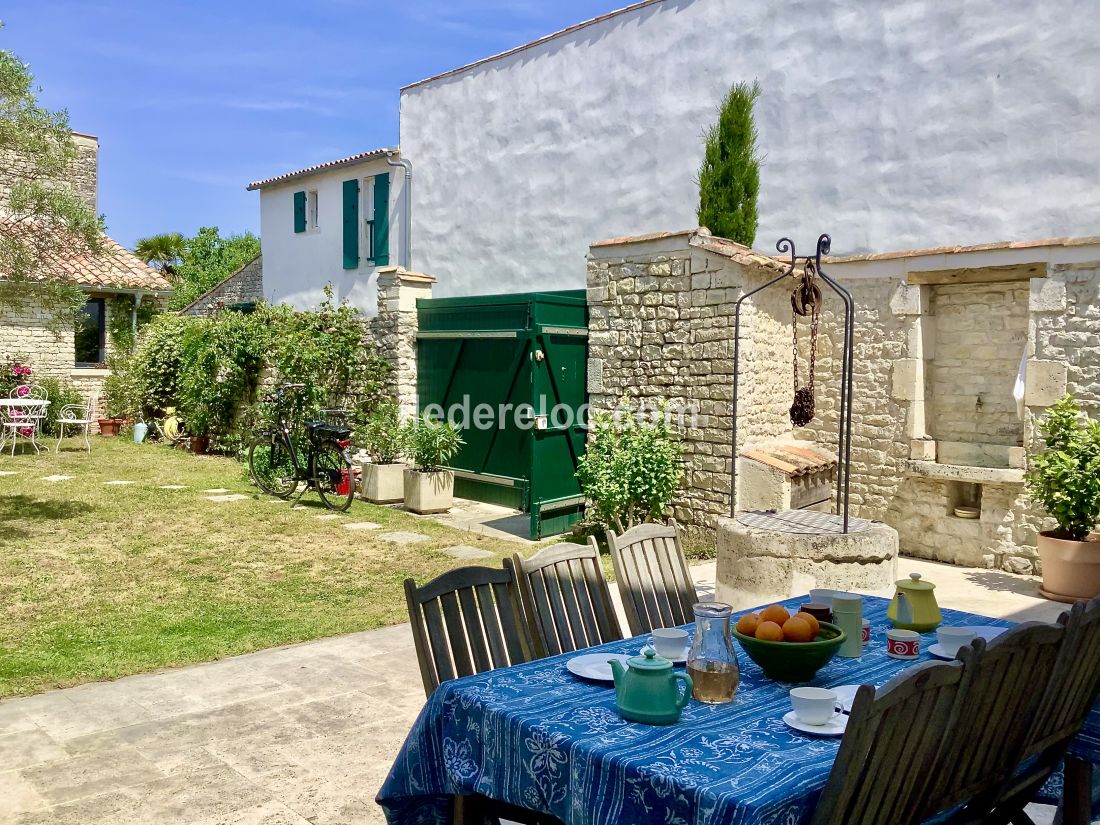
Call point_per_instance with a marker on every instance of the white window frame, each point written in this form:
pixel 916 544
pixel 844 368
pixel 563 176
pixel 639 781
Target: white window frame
pixel 313 209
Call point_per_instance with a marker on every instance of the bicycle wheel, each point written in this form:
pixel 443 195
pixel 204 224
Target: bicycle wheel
pixel 334 475
pixel 271 466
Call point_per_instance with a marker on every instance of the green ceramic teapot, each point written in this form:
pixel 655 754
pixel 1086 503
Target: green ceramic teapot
pixel 646 689
pixel 914 605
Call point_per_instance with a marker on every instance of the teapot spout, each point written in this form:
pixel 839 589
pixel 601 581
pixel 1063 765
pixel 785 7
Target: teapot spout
pixel 617 672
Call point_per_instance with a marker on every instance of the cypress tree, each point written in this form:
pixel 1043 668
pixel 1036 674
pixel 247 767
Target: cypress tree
pixel 729 179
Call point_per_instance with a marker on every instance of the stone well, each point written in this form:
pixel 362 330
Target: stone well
pixel 766 555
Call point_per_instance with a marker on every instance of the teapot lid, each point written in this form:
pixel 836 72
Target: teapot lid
pixel 914 582
pixel 649 660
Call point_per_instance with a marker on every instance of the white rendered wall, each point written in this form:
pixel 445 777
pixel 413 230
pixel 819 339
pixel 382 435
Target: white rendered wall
pixel 890 125
pixel 298 265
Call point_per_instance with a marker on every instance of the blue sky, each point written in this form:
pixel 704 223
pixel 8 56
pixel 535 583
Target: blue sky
pixel 192 100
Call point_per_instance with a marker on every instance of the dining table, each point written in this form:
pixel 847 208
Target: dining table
pixel 536 736
pixel 30 408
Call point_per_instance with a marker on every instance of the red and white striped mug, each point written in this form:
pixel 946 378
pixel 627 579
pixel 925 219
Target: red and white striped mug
pixel 902 644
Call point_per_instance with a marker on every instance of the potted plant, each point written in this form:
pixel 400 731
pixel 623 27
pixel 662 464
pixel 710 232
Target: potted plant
pixel 1065 480
pixel 384 439
pixel 119 397
pixel 429 488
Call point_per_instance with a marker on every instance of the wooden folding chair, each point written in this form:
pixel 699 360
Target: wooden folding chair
pixel 565 598
pixel 466 621
pixel 652 575
pixel 892 748
pixel 1007 680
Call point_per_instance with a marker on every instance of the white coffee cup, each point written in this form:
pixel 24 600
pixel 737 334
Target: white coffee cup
pixel 953 638
pixel 815 706
pixel 669 642
pixel 822 595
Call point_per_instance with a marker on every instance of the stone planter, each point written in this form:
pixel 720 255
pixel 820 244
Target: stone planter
pixel 383 483
pixel 1071 569
pixel 429 492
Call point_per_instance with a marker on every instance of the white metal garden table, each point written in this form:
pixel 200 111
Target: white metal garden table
pixel 34 410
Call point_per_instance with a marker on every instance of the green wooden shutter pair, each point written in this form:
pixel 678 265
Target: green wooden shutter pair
pixel 299 211
pixel 380 254
pixel 351 224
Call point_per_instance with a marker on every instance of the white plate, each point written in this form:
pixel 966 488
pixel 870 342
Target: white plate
pixel 938 651
pixel 834 727
pixel 845 694
pixel 595 665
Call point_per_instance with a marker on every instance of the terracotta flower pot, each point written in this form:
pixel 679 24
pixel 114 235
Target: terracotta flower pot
pixel 1071 569
pixel 109 426
pixel 200 444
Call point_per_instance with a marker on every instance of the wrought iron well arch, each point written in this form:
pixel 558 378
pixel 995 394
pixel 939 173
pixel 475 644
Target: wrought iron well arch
pixel 844 434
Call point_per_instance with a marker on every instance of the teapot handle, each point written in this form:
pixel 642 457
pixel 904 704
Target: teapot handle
pixel 688 687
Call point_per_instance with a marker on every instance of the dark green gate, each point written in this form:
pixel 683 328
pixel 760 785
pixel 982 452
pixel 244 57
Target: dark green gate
pixel 517 361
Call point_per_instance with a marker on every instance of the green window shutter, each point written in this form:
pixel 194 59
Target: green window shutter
pixel 351 224
pixel 299 211
pixel 381 251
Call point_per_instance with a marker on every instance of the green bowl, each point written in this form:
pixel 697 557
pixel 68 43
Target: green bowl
pixel 793 661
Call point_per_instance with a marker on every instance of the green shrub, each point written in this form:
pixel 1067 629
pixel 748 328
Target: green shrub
pixel 431 444
pixel 631 469
pixel 1065 478
pixel 383 436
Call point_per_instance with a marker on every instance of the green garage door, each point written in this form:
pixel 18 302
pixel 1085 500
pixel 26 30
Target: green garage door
pixel 515 365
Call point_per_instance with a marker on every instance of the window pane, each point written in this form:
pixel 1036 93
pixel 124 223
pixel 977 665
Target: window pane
pixel 89 333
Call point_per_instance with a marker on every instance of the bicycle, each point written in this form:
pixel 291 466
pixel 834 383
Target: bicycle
pixel 277 466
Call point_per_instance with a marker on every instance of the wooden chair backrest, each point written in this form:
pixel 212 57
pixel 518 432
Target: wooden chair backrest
pixel 466 621
pixel 891 748
pixel 652 575
pixel 1006 680
pixel 565 598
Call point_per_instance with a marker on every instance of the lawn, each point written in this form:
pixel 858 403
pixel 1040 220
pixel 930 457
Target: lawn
pixel 101 580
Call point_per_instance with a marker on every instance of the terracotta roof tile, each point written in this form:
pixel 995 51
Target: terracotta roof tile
pixel 115 267
pixel 793 459
pixel 331 164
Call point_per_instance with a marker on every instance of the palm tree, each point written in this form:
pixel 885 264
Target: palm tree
pixel 162 251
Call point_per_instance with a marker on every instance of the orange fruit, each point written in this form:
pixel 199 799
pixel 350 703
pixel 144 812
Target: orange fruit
pixel 810 620
pixel 796 630
pixel 769 632
pixel 776 613
pixel 747 624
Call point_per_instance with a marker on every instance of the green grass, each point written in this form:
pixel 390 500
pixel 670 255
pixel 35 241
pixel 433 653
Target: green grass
pixel 99 581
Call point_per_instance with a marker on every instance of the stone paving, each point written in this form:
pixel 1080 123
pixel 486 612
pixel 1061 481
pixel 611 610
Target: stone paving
pixel 289 736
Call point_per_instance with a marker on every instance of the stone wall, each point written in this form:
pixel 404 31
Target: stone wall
pixel 243 286
pixel 395 327
pixel 84 174
pixel 661 327
pixel 981 330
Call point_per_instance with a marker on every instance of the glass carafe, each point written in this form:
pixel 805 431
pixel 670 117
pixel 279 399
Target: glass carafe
pixel 712 663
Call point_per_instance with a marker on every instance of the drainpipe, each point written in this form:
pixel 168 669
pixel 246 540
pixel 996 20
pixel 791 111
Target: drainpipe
pixel 408 184
pixel 133 313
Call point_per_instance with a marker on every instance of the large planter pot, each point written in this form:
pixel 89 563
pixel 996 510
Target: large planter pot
pixel 200 444
pixel 110 426
pixel 383 483
pixel 1071 569
pixel 429 492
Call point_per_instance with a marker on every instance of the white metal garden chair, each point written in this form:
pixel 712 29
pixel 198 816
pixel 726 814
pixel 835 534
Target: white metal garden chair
pixel 77 415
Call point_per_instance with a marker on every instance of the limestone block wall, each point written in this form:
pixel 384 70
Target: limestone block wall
pixel 84 175
pixel 395 327
pixel 661 327
pixel 1065 334
pixel 246 284
pixel 980 332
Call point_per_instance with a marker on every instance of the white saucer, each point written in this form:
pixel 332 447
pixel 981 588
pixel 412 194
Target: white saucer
pixel 834 727
pixel 985 631
pixel 683 657
pixel 595 665
pixel 938 651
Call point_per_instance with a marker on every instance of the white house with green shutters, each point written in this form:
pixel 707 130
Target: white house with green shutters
pixel 334 223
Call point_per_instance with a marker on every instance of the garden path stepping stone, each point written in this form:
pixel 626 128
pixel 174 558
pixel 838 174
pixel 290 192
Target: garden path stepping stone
pixel 57 478
pixel 231 497
pixel 362 525
pixel 217 490
pixel 9 472
pixel 401 537
pixel 118 483
pixel 328 517
pixel 465 551
pixel 173 487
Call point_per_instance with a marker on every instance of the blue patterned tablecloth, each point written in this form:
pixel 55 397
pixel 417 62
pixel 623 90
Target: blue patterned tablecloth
pixel 535 735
